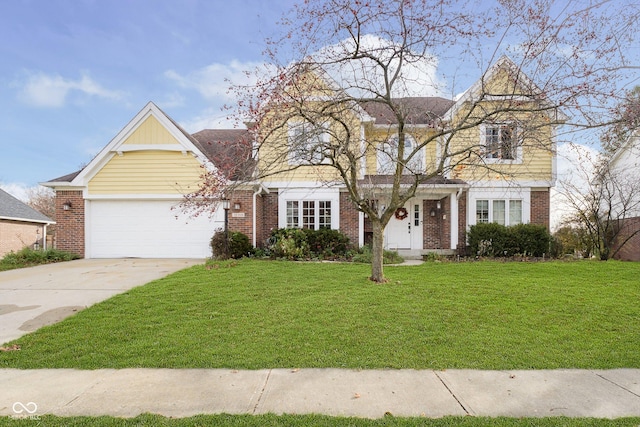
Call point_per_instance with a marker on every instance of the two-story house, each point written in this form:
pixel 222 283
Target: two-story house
pixel 497 164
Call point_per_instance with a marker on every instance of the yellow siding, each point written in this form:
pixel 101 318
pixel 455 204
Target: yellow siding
pixel 275 162
pixel 537 155
pixel 377 136
pixel 151 132
pixel 148 172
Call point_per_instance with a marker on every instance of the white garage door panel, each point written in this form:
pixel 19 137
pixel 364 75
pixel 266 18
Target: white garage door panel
pixel 147 229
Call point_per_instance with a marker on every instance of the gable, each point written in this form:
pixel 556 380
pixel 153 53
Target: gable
pixel 150 131
pixel 150 155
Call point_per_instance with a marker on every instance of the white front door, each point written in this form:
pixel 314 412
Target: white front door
pixel 404 230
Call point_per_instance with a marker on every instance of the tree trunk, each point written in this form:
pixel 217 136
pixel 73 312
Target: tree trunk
pixel 377 253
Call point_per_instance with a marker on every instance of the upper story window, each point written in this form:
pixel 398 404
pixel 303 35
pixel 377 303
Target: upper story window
pixel 500 142
pixel 388 156
pixel 308 143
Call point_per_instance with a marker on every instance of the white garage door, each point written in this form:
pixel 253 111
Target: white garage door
pixel 147 229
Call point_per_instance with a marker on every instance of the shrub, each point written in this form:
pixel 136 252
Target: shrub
pixel 295 243
pixel 29 257
pixel 488 239
pixel 529 239
pixel 364 256
pixel 495 240
pixel 237 245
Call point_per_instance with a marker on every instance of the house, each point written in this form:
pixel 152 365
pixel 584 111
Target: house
pixel 20 225
pixel 627 160
pixel 124 202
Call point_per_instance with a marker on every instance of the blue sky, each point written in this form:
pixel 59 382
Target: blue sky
pixel 74 72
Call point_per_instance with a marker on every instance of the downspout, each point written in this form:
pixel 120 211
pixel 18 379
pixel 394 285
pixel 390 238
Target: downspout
pixel 44 237
pixel 255 215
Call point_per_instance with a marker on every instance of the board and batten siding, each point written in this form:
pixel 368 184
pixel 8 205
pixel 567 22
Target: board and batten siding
pixel 148 172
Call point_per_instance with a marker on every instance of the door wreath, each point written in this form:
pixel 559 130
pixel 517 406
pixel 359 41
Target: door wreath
pixel 401 213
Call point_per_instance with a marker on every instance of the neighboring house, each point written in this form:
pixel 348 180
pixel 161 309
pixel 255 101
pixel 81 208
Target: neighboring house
pixel 123 202
pixel 626 160
pixel 20 225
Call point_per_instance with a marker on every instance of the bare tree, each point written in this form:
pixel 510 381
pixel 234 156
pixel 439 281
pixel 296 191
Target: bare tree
pixel 43 200
pixel 339 62
pixel 601 199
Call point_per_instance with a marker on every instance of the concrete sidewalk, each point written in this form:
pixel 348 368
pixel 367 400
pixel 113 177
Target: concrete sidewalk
pixel 371 394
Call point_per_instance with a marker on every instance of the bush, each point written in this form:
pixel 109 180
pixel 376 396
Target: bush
pixel 495 240
pixel 237 246
pixel 29 257
pixel 488 239
pixel 295 243
pixel 365 255
pixel 529 240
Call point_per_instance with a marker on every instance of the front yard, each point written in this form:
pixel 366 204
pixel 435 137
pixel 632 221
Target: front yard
pixel 254 314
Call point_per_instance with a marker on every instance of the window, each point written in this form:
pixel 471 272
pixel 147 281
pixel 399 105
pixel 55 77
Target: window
pixel 308 214
pixel 324 214
pixel 308 143
pixel 292 214
pixel 482 211
pixel 315 214
pixel 515 212
pixel 501 142
pixel 505 212
pixel 499 211
pixel 388 156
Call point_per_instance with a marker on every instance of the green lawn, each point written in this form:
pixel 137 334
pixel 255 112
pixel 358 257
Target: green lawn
pixel 260 314
pixel 316 420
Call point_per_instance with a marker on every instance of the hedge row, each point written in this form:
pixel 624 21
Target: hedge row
pixel 496 240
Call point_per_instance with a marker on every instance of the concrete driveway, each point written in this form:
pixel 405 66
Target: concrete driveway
pixel 34 297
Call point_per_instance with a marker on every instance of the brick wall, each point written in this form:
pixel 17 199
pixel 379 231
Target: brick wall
pixel 349 219
pixel 268 219
pixel 70 223
pixel 631 249
pixel 540 207
pixel 15 235
pixel 241 213
pixel 436 230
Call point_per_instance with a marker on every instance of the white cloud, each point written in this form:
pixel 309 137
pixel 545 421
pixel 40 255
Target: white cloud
pixel 17 189
pixel 213 81
pixel 52 91
pixel 419 75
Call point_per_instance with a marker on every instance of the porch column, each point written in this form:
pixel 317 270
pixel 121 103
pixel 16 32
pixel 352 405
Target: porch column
pixel 453 211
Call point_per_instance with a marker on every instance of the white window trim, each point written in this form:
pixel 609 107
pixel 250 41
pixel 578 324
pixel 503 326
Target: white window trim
pixel 491 194
pixel 306 195
pixel 483 144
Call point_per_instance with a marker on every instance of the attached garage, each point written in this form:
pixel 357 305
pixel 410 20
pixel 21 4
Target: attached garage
pixel 147 229
pixel 123 203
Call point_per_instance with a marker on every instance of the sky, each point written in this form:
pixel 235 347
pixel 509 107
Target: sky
pixel 74 72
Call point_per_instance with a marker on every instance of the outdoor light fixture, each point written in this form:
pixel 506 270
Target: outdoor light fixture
pixel 225 204
pixel 438 205
pixel 67 205
pixel 237 206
